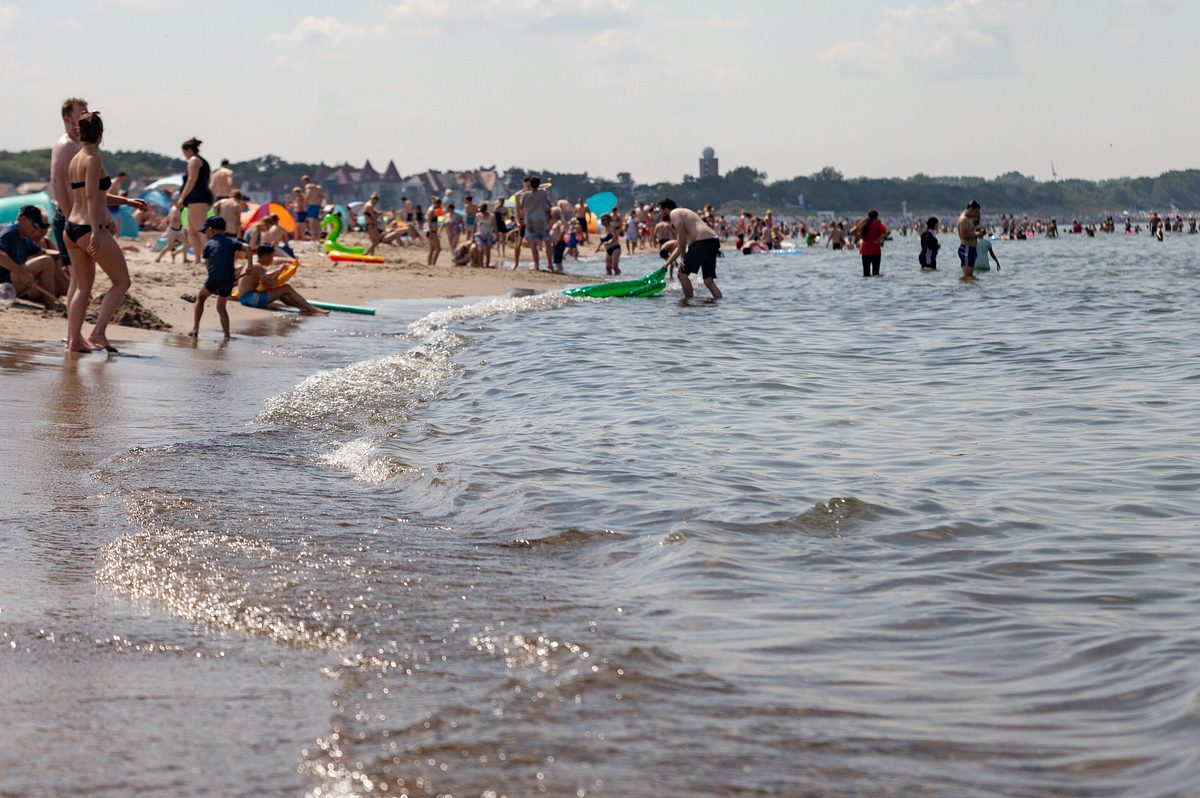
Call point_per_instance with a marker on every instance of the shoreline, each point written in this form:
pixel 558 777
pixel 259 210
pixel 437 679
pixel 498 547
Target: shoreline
pixel 159 287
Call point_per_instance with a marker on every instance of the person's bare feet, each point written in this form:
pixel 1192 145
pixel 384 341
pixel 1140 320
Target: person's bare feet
pixel 101 342
pixel 82 348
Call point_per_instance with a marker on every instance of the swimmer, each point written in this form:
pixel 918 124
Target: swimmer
pixel 261 272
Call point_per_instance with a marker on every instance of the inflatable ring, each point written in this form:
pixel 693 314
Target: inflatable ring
pixel 285 274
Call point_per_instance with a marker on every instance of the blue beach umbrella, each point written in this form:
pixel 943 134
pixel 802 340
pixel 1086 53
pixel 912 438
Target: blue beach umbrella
pixel 602 203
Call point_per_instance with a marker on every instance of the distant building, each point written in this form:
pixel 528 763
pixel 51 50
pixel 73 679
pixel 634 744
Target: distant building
pixel 347 184
pixel 709 166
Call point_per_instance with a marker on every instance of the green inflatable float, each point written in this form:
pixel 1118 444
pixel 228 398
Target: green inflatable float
pixel 652 284
pixel 333 223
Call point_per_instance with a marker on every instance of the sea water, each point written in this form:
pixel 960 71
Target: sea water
pixel 835 536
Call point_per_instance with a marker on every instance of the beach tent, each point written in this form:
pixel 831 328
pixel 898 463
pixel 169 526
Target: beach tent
pixel 127 226
pixel 602 203
pixel 168 184
pixel 11 206
pixel 248 211
pixel 158 199
pixel 286 220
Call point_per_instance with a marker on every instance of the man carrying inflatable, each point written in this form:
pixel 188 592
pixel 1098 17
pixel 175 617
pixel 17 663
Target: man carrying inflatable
pixel 699 245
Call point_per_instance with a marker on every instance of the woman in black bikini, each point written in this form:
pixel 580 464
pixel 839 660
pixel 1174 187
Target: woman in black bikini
pixel 196 196
pixel 90 239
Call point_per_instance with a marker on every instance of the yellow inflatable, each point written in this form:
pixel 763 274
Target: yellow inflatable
pixel 285 274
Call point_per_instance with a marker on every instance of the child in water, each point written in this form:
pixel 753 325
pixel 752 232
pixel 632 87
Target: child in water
pixel 611 243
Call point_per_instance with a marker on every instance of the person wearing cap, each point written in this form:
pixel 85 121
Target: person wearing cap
pixel 218 254
pixel 24 263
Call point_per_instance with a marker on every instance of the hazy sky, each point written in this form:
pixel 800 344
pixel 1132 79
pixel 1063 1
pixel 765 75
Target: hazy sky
pixel 1104 88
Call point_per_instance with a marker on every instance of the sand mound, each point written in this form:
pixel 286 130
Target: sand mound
pixel 130 313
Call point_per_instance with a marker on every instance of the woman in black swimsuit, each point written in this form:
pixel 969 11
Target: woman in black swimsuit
pixel 90 239
pixel 196 196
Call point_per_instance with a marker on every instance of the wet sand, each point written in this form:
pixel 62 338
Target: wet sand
pixel 404 275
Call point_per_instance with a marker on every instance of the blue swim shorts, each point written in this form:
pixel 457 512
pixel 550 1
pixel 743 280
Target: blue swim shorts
pixel 534 236
pixel 314 211
pixel 301 216
pixel 967 255
pixel 255 299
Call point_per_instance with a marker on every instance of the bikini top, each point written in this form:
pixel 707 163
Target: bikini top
pixel 105 183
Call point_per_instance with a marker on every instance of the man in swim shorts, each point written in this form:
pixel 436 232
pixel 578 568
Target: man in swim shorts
pixel 699 246
pixel 262 272
pixel 314 198
pixel 968 237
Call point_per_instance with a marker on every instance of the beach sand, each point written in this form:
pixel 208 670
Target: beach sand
pixel 160 286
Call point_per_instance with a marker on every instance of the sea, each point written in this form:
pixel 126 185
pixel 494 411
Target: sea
pixel 829 536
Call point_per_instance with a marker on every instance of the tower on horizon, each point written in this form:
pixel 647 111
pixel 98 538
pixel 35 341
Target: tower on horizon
pixel 709 166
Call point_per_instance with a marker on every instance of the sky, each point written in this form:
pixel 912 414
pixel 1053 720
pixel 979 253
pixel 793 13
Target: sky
pixel 1099 88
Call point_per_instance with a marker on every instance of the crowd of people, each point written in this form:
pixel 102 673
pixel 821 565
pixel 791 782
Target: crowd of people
pixel 48 259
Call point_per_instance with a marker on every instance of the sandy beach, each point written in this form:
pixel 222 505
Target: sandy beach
pixel 159 287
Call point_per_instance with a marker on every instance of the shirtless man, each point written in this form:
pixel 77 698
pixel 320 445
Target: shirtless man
pixel 230 209
pixel 581 214
pixel 221 182
pixel 60 159
pixel 697 243
pixel 314 198
pixel 969 232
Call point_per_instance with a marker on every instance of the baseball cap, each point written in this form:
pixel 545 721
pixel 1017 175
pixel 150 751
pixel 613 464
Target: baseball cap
pixel 213 223
pixel 34 214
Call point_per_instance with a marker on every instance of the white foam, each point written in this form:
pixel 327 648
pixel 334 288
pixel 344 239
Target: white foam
pixel 357 458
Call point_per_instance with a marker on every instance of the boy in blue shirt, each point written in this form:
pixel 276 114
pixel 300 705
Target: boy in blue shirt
pixel 218 254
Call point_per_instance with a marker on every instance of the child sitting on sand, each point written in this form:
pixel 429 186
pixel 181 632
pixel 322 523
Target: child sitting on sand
pixel 218 254
pixel 263 273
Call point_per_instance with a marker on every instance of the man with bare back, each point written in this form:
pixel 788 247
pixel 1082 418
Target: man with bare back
pixel 969 232
pixel 60 158
pixel 221 182
pixel 698 245
pixel 314 198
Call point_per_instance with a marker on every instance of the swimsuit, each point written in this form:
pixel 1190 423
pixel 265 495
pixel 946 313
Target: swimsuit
pixel 967 255
pixel 76 231
pixel 255 299
pixel 201 194
pixel 701 257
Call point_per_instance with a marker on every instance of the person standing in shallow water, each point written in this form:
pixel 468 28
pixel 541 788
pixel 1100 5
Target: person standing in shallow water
pixel 930 244
pixel 968 237
pixel 91 239
pixel 872 233
pixel 698 245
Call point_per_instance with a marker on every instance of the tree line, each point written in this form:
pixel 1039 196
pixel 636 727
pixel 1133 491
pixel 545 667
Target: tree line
pixel 826 190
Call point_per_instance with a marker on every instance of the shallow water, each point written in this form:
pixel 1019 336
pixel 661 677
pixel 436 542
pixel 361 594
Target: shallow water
pixel 830 536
